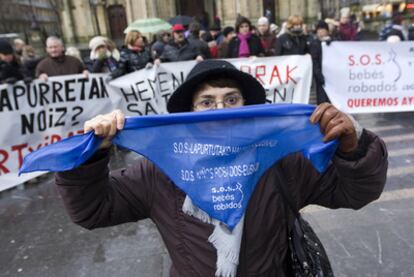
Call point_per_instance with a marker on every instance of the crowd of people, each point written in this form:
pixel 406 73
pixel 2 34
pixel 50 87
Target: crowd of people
pixel 192 42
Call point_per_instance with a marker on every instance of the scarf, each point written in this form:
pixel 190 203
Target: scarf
pixel 244 50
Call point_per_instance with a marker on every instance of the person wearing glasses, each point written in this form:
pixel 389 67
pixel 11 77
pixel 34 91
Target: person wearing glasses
pixel 95 197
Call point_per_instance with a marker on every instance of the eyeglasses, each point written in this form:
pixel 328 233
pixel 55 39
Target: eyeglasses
pixel 230 101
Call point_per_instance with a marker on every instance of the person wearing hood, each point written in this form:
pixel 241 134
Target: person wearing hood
pixel 135 55
pixel 101 57
pixel 245 43
pixel 267 37
pixel 294 41
pixel 322 36
pixel 57 63
pixel 10 68
pixel 95 197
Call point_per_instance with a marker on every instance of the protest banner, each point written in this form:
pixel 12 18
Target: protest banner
pixel 42 113
pixel 369 77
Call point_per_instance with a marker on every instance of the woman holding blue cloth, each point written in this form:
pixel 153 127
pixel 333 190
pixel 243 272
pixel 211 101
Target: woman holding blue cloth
pixel 199 245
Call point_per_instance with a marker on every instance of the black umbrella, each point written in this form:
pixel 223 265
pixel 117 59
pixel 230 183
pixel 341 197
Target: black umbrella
pixel 181 19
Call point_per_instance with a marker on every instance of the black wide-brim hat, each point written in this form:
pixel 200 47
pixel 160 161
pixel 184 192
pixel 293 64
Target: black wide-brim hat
pixel 182 98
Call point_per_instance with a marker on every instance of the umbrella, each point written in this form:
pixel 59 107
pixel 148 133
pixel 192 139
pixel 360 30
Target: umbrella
pixel 181 19
pixel 148 25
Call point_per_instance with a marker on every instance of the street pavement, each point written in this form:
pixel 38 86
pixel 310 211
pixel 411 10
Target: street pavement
pixel 37 238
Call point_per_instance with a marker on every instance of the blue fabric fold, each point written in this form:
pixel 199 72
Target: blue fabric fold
pixel 215 157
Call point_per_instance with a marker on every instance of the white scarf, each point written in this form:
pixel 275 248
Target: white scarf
pixel 226 242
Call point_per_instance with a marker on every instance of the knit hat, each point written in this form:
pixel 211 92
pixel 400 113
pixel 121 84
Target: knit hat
pixel 182 99
pixel 263 21
pixel 5 47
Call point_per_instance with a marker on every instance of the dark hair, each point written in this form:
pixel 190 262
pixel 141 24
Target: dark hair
pixel 217 82
pixel 227 30
pixel 322 25
pixel 207 37
pixel 240 21
pixel 194 28
pixel 397 19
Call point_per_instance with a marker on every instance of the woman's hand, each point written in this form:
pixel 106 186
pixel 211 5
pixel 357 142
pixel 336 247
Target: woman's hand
pixel 106 126
pixel 336 125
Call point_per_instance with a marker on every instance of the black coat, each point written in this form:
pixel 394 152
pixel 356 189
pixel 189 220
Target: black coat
pixel 131 61
pixel 174 53
pixel 102 65
pixel 316 54
pixel 255 47
pixel 202 46
pixel 10 72
pixel 288 44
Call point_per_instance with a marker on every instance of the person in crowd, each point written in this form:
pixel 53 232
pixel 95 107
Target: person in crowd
pixel 163 37
pixel 74 52
pixel 215 31
pixel 294 41
pixel 10 68
pixel 194 38
pixel 211 43
pixel 359 25
pixel 267 38
pixel 179 48
pixel 135 55
pixel 347 30
pixel 19 44
pixel 222 49
pixel 95 197
pixel 333 28
pixel 30 61
pixel 322 36
pixel 411 30
pixel 101 57
pixel 57 63
pixel 274 29
pixel 245 43
pixel 394 29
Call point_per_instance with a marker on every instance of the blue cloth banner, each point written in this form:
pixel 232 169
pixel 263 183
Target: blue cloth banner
pixel 215 157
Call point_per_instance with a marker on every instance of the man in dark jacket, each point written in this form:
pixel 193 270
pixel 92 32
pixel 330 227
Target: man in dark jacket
pixel 57 63
pixel 10 68
pixel 180 49
pixel 95 197
pixel 322 36
pixel 194 38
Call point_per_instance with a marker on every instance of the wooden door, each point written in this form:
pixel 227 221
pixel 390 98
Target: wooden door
pixel 117 22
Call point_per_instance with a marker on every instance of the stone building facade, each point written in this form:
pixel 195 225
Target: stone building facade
pixel 85 19
pixel 32 20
